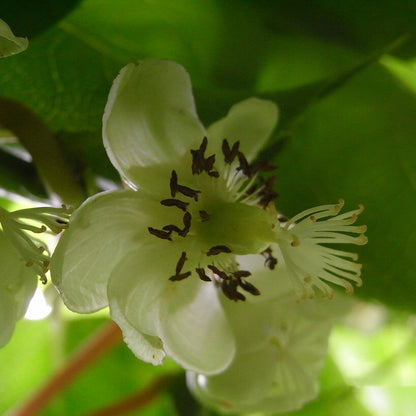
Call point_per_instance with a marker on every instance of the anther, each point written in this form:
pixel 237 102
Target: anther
pixel 170 202
pixel 202 275
pixel 173 183
pixel 241 273
pixel 181 262
pixel 184 190
pixel 248 287
pixel 179 265
pixel 200 163
pixel 229 154
pixel 218 272
pixel 213 251
pixel 165 235
pixel 270 261
pixel 204 216
pixel 244 165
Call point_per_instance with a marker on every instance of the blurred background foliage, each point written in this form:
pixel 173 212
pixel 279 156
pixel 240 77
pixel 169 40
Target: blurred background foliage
pixel 348 110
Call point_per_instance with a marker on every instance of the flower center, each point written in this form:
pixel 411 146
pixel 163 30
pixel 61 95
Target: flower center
pixel 224 213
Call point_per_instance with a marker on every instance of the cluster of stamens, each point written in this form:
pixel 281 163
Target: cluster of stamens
pixel 228 280
pixel 16 225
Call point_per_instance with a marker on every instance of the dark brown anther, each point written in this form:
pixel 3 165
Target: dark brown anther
pixel 209 163
pixel 182 232
pixel 186 222
pixel 241 273
pixel 184 190
pixel 267 194
pixel 229 288
pixel 179 265
pixel 174 203
pixel 202 275
pixel 213 251
pixel 173 184
pixel 218 272
pixel 244 165
pixel 198 157
pixel 165 235
pixel 200 163
pixel 229 154
pixel 204 216
pixel 178 277
pixel 270 261
pixel 172 227
pixel 281 218
pixel 181 262
pixel 248 287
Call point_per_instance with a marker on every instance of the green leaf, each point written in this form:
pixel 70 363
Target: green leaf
pixel 29 18
pixel 19 177
pixel 359 144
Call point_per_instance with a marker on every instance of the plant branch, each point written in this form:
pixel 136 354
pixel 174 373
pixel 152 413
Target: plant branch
pixel 48 158
pixel 100 343
pixel 135 401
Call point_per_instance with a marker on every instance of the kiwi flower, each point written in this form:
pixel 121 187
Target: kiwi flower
pixel 164 254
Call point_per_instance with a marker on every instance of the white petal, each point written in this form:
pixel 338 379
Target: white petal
pixel 150 117
pixel 101 232
pixel 250 121
pixel 9 43
pixel 145 347
pixel 246 380
pixel 250 322
pixel 137 282
pixel 193 327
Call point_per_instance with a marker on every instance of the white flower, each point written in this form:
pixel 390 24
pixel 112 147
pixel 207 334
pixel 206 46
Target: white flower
pixel 9 43
pixel 281 345
pixel 164 253
pixel 24 258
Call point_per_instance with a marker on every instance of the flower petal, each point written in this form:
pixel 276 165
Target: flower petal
pixel 150 117
pixel 145 347
pixel 247 379
pixel 193 327
pixel 101 232
pixel 9 43
pixel 250 122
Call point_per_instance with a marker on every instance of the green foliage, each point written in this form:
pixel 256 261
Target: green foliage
pixel 355 140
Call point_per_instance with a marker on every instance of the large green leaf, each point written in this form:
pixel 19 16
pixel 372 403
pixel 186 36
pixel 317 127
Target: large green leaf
pixel 359 144
pixel 29 18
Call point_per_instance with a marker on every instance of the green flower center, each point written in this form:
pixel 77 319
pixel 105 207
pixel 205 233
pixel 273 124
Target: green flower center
pixel 223 216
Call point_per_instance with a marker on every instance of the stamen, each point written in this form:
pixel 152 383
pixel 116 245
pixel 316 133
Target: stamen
pixel 244 165
pixel 204 216
pixel 179 265
pixel 230 154
pixel 173 183
pixel 187 225
pixel 170 202
pixel 241 273
pixel 159 233
pixel 202 275
pixel 200 163
pixel 270 261
pixel 184 190
pixel 248 287
pixel 213 251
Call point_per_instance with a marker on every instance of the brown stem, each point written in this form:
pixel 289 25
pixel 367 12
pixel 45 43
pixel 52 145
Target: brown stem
pixel 48 158
pixel 135 401
pixel 106 338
